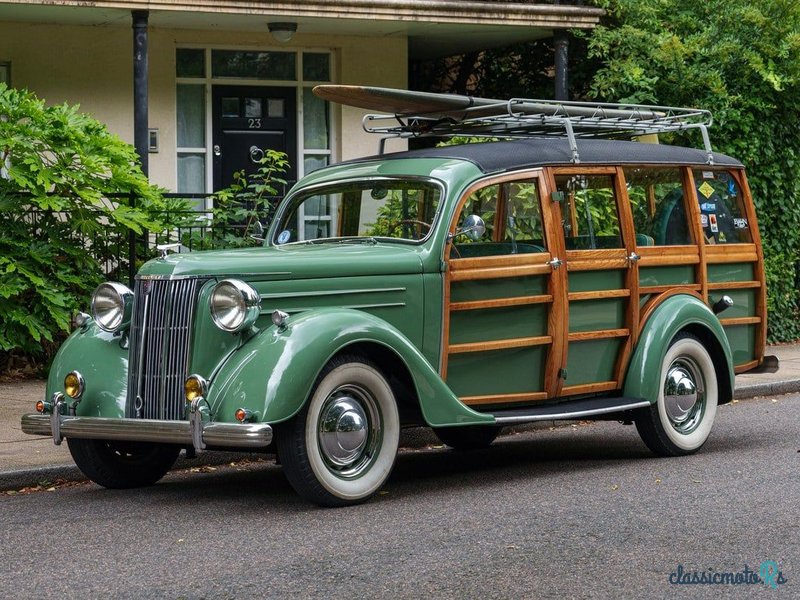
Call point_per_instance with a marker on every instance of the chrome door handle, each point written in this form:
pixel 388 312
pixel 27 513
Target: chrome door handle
pixel 633 258
pixel 555 263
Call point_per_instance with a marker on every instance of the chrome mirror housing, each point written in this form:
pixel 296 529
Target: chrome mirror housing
pixel 472 226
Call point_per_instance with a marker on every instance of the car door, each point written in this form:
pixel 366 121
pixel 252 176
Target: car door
pixel 503 296
pixel 602 315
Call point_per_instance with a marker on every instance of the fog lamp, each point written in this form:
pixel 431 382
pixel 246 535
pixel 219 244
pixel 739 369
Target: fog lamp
pixel 74 385
pixel 195 387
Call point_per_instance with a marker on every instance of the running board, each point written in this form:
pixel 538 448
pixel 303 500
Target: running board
pixel 576 409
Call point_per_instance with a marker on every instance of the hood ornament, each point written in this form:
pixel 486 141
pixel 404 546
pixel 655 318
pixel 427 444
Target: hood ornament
pixel 164 249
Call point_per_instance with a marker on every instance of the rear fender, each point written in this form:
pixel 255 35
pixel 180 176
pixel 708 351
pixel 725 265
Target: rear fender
pixel 675 314
pixel 274 372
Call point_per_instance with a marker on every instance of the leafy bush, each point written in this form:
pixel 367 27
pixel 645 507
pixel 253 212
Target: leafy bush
pixel 58 168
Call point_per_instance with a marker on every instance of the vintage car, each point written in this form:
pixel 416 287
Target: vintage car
pixel 463 288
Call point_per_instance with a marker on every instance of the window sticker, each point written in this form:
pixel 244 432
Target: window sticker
pixel 712 220
pixel 708 174
pixel 708 207
pixel 706 189
pixel 284 236
pixel 740 223
pixel 704 220
pixel 722 237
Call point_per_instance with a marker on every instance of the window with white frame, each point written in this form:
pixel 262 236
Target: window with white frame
pixel 197 69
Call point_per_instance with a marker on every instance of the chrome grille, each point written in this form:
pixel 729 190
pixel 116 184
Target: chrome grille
pixel 159 350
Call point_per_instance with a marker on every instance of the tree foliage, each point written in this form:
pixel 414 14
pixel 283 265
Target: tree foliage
pixel 58 168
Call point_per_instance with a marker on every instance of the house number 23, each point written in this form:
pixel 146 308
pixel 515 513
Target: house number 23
pixel 254 123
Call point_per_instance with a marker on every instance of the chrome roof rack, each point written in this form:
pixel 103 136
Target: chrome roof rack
pixel 525 118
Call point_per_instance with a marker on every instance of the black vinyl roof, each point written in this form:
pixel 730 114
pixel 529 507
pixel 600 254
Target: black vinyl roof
pixel 492 157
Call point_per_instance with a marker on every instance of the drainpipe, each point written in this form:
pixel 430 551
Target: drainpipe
pixel 140 94
pixel 561 46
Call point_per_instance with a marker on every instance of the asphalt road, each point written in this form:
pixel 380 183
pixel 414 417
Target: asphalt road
pixel 576 512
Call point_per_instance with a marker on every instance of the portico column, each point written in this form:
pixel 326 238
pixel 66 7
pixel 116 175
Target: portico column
pixel 140 93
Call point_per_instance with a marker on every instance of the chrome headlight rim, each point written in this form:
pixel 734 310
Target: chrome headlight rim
pixel 112 305
pixel 234 305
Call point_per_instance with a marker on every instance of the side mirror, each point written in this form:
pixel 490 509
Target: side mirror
pixel 473 227
pixel 258 231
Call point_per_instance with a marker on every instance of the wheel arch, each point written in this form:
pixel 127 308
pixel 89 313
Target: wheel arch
pixel 677 313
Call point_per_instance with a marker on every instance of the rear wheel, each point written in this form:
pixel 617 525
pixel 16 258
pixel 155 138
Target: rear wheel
pixel 680 421
pixel 120 465
pixel 471 437
pixel 341 447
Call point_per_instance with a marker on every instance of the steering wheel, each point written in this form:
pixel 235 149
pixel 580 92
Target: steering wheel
pixel 393 226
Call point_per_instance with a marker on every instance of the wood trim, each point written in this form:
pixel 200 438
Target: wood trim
pixel 653 303
pixel 631 275
pixel 499 272
pixel 589 388
pixel 597 265
pixel 733 285
pixel 540 340
pixel 597 295
pixel 739 257
pixel 660 289
pixel 669 260
pixel 743 368
pixel 724 249
pixel 579 170
pixel 732 321
pixel 500 302
pixel 503 260
pixel 445 344
pixel 693 214
pixel 603 254
pixel 600 334
pixel 680 250
pixel 503 398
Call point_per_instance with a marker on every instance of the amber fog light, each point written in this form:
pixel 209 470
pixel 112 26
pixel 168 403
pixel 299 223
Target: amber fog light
pixel 195 387
pixel 74 385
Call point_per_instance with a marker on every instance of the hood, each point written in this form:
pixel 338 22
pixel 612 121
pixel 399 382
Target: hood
pixel 301 261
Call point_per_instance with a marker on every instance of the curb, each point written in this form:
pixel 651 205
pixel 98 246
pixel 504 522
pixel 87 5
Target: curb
pixel 412 438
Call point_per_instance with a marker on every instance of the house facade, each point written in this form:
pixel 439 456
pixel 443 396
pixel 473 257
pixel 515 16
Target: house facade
pixel 203 88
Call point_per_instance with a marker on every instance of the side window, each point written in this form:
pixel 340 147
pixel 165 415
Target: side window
pixel 722 214
pixel 589 212
pixel 513 220
pixel 658 207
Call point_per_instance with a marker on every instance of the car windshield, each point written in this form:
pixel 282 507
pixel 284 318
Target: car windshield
pixel 399 209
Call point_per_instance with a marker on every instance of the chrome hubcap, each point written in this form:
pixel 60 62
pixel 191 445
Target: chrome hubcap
pixel 348 430
pixel 684 395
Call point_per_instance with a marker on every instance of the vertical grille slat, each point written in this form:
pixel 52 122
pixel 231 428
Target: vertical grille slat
pixel 161 334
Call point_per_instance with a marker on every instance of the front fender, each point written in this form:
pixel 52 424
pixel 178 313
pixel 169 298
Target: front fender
pixel 274 372
pixel 670 317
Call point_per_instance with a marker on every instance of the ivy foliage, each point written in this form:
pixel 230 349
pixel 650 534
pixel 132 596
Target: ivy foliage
pixel 741 60
pixel 58 168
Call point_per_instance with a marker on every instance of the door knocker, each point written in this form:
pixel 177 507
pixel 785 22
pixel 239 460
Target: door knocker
pixel 256 154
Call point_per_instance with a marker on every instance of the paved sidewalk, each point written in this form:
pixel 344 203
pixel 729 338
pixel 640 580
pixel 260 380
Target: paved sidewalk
pixel 26 460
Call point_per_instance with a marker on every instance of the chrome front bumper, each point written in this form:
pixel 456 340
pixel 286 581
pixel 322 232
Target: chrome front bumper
pixel 194 433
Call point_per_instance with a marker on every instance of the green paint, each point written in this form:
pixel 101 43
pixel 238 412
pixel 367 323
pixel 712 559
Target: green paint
pixel 490 289
pixel 680 274
pixel 742 339
pixel 744 302
pixel 433 294
pixel 643 379
pixel 591 361
pixel 274 372
pixel 731 272
pixel 592 315
pixel 498 323
pixel 507 371
pixel 589 281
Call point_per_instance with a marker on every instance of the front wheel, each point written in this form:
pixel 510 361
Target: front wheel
pixel 120 465
pixel 340 449
pixel 681 419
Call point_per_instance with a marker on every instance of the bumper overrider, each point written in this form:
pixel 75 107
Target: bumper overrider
pixel 195 432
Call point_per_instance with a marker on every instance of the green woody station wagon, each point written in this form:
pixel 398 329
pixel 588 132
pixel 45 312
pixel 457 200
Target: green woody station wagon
pixel 557 274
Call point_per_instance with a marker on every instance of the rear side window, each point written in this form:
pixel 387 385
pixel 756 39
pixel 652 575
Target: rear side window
pixel 590 212
pixel 658 207
pixel 722 214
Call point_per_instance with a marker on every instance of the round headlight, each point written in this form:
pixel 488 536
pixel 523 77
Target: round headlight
pixel 234 305
pixel 111 306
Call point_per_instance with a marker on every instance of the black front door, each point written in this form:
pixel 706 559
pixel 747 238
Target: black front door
pixel 247 121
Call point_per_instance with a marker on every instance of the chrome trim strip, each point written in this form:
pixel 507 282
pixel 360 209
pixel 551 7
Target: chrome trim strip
pixel 556 416
pixel 329 293
pixel 208 276
pixel 352 306
pixel 235 435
